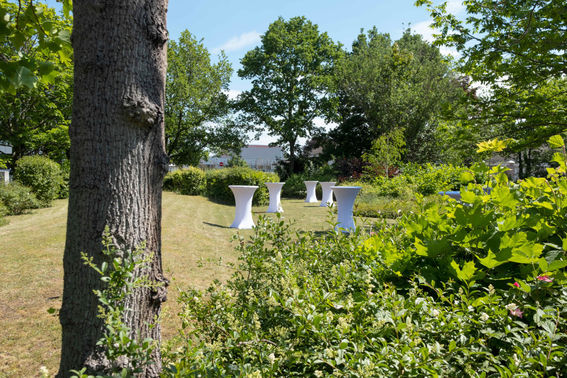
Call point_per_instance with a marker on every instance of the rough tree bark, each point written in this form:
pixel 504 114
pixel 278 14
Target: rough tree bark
pixel 118 161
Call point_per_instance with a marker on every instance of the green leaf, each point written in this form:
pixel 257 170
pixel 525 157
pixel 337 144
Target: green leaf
pixel 466 177
pixel 504 196
pixel 556 141
pixel 23 77
pixel 465 274
pixel 491 261
pixel 493 145
pixel 527 254
pixel 468 196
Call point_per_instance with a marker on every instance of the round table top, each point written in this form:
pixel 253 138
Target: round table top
pixel 346 187
pixel 243 186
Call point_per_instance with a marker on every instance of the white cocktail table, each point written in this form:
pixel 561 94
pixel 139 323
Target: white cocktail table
pixel 275 189
pixel 327 199
pixel 311 195
pixel 345 202
pixel 243 213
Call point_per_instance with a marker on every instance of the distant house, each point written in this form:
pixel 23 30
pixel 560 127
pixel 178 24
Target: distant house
pixel 5 173
pixel 262 158
pixel 5 149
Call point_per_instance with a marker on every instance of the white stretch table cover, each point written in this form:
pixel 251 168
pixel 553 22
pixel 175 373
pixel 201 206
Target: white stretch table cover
pixel 243 213
pixel 327 199
pixel 275 189
pixel 345 202
pixel 311 195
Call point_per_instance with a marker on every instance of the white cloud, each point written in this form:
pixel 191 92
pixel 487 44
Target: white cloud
pixel 232 94
pixel 424 28
pixel 320 122
pixel 455 7
pixel 239 42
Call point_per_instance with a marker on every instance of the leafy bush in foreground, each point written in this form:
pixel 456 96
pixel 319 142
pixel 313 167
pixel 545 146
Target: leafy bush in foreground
pixel 312 306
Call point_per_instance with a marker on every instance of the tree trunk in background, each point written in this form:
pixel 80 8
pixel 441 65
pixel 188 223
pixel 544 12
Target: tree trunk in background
pixel 118 161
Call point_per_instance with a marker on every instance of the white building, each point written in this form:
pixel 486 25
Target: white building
pixel 260 157
pixel 5 173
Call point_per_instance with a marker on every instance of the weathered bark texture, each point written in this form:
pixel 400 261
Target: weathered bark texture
pixel 118 161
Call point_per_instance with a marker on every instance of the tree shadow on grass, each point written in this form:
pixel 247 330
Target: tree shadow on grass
pixel 215 225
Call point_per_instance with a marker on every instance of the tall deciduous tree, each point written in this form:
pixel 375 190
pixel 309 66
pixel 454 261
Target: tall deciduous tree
pixel 385 85
pixel 291 75
pixel 118 161
pixel 517 49
pixel 196 104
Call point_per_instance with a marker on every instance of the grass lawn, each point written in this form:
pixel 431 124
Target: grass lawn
pixel 196 250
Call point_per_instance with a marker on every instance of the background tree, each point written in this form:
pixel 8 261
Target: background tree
pixel 31 35
pixel 386 153
pixel 35 106
pixel 118 162
pixel 36 120
pixel 291 75
pixel 196 106
pixel 385 85
pixel 517 50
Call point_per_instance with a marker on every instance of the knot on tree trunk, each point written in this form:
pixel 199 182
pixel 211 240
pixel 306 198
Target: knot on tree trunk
pixel 156 28
pixel 159 291
pixel 141 111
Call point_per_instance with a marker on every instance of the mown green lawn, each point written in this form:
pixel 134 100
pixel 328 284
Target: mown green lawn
pixel 196 250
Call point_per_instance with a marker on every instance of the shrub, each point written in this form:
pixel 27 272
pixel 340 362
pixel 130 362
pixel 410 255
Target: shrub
pixel 42 175
pixel 513 232
pixel 218 181
pixel 189 181
pixel 17 198
pixel 3 213
pixel 65 173
pixel 308 305
pixel 294 186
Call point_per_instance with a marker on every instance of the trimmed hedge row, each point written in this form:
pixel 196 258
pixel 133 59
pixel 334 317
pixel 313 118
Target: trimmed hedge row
pixel 218 181
pixel 214 184
pixel 189 181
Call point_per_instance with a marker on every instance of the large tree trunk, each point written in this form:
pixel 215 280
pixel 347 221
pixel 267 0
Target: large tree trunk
pixel 118 161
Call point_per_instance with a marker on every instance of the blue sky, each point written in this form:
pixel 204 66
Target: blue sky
pixel 235 26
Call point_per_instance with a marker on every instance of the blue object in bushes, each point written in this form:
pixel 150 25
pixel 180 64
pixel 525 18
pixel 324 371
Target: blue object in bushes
pixel 453 194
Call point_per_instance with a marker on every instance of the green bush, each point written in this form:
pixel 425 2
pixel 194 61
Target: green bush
pixel 218 181
pixel 65 173
pixel 512 232
pixel 42 175
pixel 306 305
pixel 3 213
pixel 294 186
pixel 189 181
pixel 17 198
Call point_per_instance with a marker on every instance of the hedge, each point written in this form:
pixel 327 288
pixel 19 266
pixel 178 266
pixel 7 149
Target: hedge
pixel 218 181
pixel 189 181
